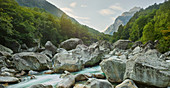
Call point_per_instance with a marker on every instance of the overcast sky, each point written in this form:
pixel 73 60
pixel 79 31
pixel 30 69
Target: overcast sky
pixel 99 14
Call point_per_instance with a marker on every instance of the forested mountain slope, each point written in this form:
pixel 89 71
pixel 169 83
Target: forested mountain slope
pixel 152 23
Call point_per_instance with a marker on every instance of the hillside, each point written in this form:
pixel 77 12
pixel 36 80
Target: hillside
pixel 43 4
pixel 152 23
pixel 121 20
pixel 23 25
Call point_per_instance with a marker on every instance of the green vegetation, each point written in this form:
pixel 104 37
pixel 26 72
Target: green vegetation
pixel 153 23
pixel 29 25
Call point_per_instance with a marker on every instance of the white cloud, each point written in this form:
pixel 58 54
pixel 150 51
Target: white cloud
pixel 106 12
pixel 116 7
pixel 65 9
pixel 111 9
pixel 73 4
pixel 83 6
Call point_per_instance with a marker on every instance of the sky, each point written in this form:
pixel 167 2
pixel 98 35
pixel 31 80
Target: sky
pixel 99 14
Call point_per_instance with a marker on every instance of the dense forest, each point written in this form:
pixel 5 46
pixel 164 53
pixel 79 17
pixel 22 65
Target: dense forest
pixel 27 25
pixel 152 23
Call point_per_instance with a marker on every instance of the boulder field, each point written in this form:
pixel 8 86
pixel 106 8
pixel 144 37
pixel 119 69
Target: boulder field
pixel 140 66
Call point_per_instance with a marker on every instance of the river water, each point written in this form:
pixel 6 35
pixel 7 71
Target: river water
pixel 51 79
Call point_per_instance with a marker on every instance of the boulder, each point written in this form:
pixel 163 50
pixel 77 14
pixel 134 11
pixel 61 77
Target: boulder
pixel 99 75
pixel 6 79
pixel 5 49
pixel 136 44
pixel 66 82
pixel 71 43
pixel 79 86
pixel 41 86
pixel 148 69
pixel 31 61
pixel 80 77
pixel 31 72
pixel 98 83
pixel 66 61
pixel 122 44
pixel 114 68
pixel 49 46
pixel 48 53
pixel 127 84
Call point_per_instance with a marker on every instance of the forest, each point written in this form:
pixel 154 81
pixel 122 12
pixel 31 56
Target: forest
pixel 31 25
pixel 152 23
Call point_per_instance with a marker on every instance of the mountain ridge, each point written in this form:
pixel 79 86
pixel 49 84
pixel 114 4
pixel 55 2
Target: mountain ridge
pixel 121 20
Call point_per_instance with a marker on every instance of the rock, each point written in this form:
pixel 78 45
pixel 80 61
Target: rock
pixel 2 86
pixel 6 74
pixel 99 75
pixel 114 68
pixel 71 43
pixel 149 45
pixel 127 84
pixel 49 46
pixel 32 77
pixel 79 86
pixel 4 69
pixel 165 56
pixel 48 53
pixel 6 54
pixel 148 69
pixel 15 46
pixel 137 44
pixel 5 49
pixel 66 82
pixel 98 83
pixel 121 44
pixel 81 77
pixel 41 86
pixel 20 74
pixel 5 79
pixel 31 72
pixel 31 61
pixel 66 61
pixel 137 50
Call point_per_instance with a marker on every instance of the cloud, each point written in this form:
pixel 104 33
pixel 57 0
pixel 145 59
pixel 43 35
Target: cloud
pixel 73 4
pixel 65 9
pixel 83 6
pixel 106 12
pixel 111 9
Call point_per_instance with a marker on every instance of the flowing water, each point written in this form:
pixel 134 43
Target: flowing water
pixel 51 79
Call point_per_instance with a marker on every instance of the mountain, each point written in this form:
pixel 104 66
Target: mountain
pixel 150 24
pixel 43 4
pixel 123 19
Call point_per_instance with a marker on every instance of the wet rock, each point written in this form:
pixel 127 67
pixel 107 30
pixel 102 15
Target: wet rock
pixel 41 86
pixel 31 72
pixel 98 83
pixel 121 44
pixel 114 68
pixel 148 69
pixel 71 43
pixel 5 79
pixel 31 61
pixel 127 84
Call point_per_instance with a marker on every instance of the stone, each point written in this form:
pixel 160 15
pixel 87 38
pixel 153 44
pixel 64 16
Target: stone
pixel 71 43
pixel 137 44
pixel 114 68
pixel 98 83
pixel 122 44
pixel 6 79
pixel 66 82
pixel 41 86
pixel 5 49
pixel 49 46
pixel 31 61
pixel 99 75
pixel 127 84
pixel 31 72
pixel 148 69
pixel 79 86
pixel 81 77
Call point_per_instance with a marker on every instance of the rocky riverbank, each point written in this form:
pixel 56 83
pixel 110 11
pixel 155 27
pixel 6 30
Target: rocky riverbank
pixel 139 66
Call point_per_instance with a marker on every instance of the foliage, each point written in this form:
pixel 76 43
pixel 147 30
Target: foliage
pixel 152 23
pixel 29 25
